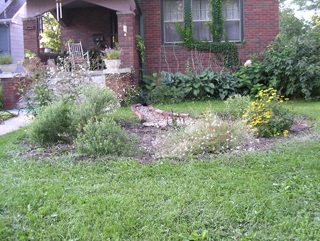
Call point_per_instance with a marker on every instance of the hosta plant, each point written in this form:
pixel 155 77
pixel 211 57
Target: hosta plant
pixel 269 115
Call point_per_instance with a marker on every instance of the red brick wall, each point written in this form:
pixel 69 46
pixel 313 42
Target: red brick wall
pixel 261 20
pixel 129 57
pixel 9 93
pixel 31 35
pixel 83 23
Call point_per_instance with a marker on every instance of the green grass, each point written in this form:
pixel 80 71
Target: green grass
pixel 272 195
pixel 194 108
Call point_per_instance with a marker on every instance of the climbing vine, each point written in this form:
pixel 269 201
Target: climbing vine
pixel 226 52
pixel 216 26
pixel 140 47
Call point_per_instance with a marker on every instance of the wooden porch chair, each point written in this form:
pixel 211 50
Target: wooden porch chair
pixel 76 53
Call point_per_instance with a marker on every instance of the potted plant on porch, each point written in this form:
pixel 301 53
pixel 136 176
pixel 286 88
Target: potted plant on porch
pixel 6 64
pixel 111 57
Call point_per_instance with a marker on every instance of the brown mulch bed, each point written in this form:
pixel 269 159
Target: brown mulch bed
pixel 148 133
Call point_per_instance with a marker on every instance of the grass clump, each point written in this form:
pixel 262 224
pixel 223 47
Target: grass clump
pixel 268 116
pixel 207 135
pixel 236 105
pixel 104 137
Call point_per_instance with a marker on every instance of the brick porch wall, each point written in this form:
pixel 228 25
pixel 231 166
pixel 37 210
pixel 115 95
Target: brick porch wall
pixel 129 57
pixel 9 92
pixel 31 35
pixel 261 25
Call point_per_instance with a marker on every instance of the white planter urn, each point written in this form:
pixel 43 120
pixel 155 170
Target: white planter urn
pixel 8 68
pixel 47 50
pixel 112 63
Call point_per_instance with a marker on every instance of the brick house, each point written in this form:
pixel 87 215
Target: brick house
pixel 250 23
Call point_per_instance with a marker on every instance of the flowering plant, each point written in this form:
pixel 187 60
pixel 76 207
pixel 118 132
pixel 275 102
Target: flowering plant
pixel 268 116
pixel 5 59
pixel 109 53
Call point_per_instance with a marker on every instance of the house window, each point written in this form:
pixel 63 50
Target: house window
pixel 173 12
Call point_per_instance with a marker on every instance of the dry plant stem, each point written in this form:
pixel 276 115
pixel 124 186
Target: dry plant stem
pixel 165 59
pixel 176 58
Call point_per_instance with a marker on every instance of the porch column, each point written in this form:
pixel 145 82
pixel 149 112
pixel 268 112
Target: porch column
pixel 126 40
pixel 31 35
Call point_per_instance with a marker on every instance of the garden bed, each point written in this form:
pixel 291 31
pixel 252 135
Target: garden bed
pixel 148 134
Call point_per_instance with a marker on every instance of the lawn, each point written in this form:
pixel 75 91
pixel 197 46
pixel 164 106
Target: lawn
pixel 268 195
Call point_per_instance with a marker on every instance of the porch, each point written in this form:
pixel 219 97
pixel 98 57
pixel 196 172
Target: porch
pixel 113 79
pixel 95 23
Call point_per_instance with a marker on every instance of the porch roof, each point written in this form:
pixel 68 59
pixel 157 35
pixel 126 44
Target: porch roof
pixel 36 8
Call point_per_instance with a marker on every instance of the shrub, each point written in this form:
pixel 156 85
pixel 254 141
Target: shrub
pixel 92 103
pixel 160 89
pixel 237 105
pixel 294 64
pixel 208 135
pixel 5 59
pixel 52 124
pixel 254 77
pixel 104 137
pixel 268 116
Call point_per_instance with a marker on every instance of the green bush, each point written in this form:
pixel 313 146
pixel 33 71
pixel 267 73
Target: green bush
pixel 236 106
pixel 104 137
pixel 52 124
pixel 92 103
pixel 269 116
pixel 160 89
pixel 5 59
pixel 295 65
pixel 254 78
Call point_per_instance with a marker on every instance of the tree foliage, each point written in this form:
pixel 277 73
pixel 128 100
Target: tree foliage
pixel 295 65
pixel 51 35
pixel 290 25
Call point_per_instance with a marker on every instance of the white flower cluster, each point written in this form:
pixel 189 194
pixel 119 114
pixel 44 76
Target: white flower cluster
pixel 248 63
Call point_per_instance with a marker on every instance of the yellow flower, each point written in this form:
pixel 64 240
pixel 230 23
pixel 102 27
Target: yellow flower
pixel 285 133
pixel 278 133
pixel 286 98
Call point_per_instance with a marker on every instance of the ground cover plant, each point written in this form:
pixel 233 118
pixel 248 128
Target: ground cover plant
pixel 174 88
pixel 267 195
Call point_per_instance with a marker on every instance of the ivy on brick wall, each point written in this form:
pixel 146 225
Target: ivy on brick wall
pixel 226 52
